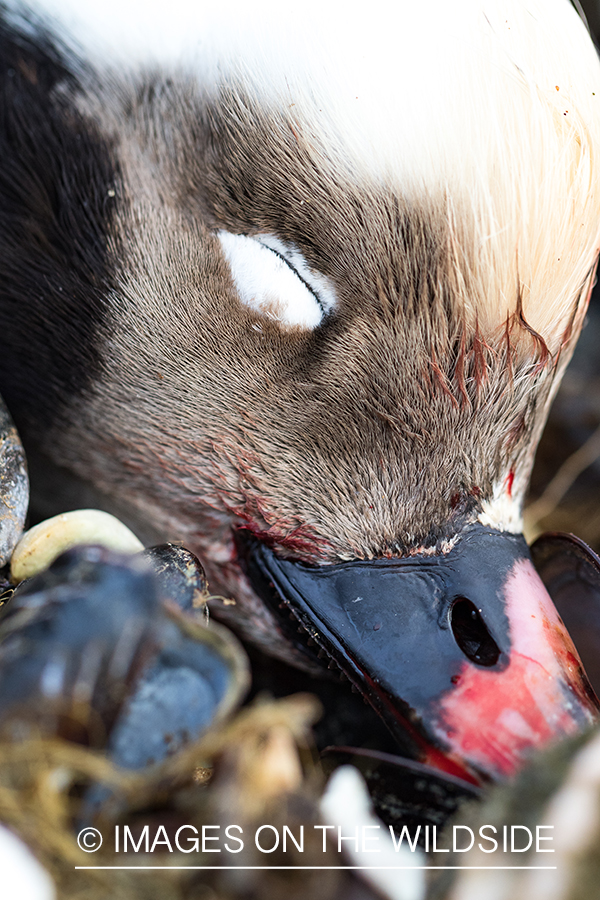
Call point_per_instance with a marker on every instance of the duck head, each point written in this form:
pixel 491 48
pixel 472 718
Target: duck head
pixel 310 298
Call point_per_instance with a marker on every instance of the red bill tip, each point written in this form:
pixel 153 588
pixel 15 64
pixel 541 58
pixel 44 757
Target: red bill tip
pixel 494 717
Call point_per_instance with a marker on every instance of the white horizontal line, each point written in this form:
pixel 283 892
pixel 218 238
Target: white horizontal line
pixel 328 868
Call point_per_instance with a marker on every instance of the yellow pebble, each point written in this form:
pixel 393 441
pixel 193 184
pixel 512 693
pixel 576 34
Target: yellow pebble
pixel 39 547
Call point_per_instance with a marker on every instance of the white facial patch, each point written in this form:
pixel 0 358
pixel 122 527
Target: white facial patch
pixel 274 279
pixel 503 509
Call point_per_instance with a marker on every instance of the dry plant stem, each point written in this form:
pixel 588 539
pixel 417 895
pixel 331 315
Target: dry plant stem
pixel 49 762
pixel 36 775
pixel 570 470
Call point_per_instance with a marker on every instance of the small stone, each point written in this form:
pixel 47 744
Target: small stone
pixel 14 486
pixel 42 544
pixel 180 575
pixel 22 874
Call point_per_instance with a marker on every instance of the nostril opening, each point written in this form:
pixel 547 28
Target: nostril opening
pixel 471 634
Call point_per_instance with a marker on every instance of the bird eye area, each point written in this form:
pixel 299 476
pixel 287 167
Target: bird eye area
pixel 471 634
pixel 274 279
